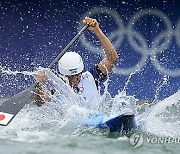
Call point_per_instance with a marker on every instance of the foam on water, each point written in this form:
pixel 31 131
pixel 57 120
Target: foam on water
pixel 163 118
pixel 64 115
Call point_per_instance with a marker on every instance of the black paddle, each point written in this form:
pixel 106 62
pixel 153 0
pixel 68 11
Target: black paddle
pixel 13 105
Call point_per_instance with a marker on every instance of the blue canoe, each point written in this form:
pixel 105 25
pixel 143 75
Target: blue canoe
pixel 121 123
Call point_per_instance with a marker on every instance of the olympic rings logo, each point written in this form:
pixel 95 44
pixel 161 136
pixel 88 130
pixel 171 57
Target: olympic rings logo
pixel 159 44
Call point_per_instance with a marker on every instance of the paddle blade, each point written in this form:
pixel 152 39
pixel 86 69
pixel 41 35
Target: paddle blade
pixel 13 105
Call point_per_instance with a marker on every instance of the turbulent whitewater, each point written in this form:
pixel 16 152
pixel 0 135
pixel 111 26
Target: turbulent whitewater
pixel 62 117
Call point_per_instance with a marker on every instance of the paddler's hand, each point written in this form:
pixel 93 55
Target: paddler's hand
pixel 41 77
pixel 93 24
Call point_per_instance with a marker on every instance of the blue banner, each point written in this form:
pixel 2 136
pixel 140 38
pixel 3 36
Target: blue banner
pixel 146 35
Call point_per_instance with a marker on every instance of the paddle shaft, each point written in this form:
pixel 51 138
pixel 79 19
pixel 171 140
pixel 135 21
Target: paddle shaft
pixel 68 46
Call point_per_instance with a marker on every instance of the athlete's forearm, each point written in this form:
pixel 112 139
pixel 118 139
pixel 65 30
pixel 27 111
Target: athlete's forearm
pixel 41 95
pixel 108 47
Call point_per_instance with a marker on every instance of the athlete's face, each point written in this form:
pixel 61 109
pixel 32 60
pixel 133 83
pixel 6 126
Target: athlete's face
pixel 74 80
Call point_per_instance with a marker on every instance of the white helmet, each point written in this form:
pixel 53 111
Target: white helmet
pixel 70 63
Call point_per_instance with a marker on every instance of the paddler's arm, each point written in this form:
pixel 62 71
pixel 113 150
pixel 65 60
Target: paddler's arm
pixel 106 65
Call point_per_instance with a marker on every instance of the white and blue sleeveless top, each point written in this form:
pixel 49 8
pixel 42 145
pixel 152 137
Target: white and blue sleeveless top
pixel 88 87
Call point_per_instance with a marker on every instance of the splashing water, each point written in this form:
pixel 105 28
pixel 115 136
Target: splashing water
pixel 164 118
pixel 10 72
pixel 64 114
pixel 165 82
